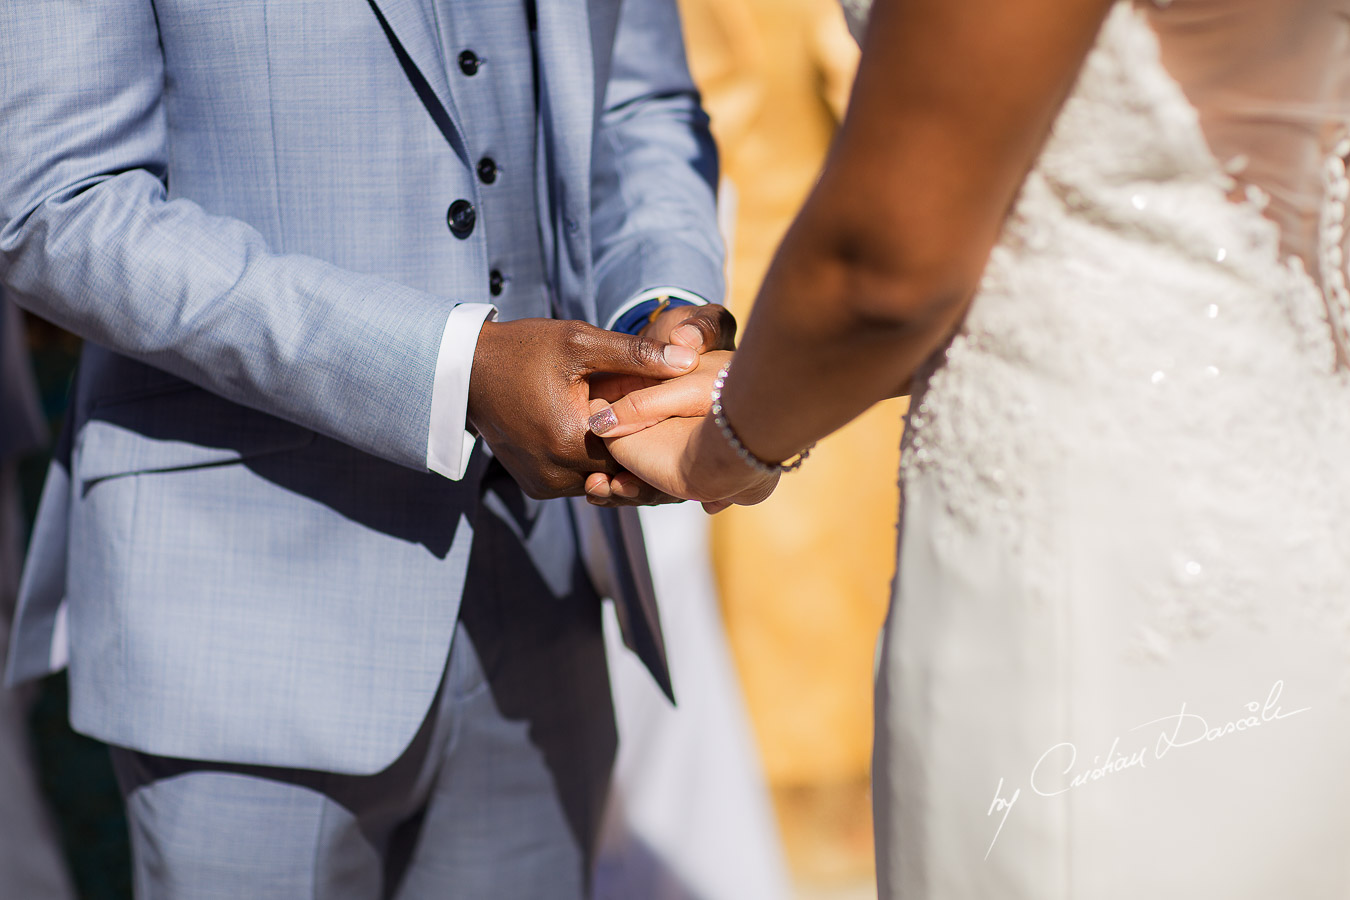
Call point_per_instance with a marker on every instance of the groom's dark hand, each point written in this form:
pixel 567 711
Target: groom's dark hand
pixel 530 392
pixel 702 328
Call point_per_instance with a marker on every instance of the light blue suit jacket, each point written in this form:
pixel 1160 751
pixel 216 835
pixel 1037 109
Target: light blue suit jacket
pixel 242 206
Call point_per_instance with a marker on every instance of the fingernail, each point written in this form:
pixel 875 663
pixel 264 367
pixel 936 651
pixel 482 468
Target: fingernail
pixel 688 335
pixel 603 421
pixel 680 357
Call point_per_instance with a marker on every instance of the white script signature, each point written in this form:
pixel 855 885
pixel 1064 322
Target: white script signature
pixel 1057 771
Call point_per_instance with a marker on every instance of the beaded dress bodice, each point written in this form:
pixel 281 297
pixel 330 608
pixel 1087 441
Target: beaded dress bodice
pixel 1169 291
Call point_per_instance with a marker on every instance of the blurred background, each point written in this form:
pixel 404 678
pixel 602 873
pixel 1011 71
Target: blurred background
pixel 804 578
pixel 796 588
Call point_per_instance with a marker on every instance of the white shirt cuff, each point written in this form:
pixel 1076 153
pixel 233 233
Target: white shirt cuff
pixel 653 294
pixel 449 442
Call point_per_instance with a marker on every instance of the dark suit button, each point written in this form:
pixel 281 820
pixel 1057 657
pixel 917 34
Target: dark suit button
pixel 487 170
pixel 495 283
pixel 469 62
pixel 461 217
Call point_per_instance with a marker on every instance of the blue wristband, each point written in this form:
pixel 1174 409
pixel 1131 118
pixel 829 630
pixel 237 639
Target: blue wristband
pixel 637 318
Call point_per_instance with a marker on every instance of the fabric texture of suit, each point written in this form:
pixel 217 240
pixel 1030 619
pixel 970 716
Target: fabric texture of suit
pixel 244 212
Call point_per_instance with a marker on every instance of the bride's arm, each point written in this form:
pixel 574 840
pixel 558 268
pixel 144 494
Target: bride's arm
pixel 952 104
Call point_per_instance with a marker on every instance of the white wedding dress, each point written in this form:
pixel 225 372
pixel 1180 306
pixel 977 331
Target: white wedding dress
pixel 1117 664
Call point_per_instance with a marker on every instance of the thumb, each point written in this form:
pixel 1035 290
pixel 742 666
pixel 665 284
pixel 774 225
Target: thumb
pixel 596 350
pixel 710 327
pixel 686 397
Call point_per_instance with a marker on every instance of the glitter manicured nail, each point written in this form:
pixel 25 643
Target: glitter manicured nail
pixel 603 421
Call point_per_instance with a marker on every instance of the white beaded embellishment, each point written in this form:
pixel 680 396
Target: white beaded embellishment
pixel 1132 312
pixel 1331 257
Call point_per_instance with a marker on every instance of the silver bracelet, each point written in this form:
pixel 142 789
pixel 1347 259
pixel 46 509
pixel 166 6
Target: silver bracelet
pixel 720 419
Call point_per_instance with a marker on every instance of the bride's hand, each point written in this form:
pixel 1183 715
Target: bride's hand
pixel 662 436
pixel 624 408
pixel 684 457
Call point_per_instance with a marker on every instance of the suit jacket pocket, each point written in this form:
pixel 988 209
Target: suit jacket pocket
pixel 176 429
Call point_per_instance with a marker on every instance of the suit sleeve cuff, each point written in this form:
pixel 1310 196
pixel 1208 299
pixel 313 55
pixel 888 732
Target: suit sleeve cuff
pixel 449 441
pixel 653 294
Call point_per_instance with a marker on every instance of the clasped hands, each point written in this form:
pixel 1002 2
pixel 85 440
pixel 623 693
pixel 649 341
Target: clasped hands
pixel 543 392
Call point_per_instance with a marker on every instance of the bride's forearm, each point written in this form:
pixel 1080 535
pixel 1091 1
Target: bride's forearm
pixel 882 261
pixel 830 336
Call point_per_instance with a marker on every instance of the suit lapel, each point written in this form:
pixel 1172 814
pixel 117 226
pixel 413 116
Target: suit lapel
pixel 615 556
pixel 568 98
pixel 411 30
pixel 567 115
pixel 567 101
pixel 636 600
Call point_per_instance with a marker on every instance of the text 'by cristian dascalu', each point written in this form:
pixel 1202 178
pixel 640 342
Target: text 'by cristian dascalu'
pixel 1060 768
